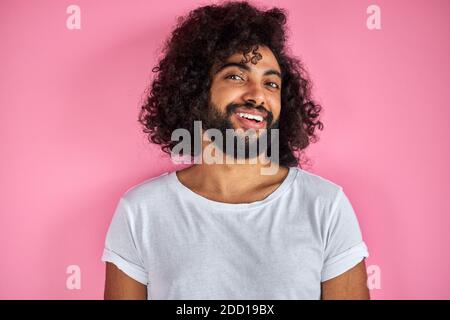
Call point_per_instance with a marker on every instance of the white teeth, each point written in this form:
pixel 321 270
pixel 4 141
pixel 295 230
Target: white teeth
pixel 250 116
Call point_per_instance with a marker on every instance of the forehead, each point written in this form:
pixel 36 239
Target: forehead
pixel 267 61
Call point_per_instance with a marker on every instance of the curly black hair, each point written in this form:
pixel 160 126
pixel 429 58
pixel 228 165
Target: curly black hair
pixel 179 92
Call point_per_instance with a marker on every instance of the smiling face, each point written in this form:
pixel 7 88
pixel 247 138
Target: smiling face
pixel 255 87
pixel 246 93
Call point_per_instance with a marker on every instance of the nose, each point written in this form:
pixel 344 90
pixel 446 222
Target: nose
pixel 254 95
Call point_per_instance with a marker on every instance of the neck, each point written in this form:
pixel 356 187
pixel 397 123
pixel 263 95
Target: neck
pixel 227 179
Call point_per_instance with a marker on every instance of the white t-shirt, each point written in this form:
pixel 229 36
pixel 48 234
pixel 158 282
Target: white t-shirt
pixel 185 246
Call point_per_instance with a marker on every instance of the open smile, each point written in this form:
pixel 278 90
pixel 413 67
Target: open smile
pixel 250 121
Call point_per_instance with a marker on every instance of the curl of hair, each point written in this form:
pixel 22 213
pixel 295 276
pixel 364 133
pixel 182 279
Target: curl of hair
pixel 179 92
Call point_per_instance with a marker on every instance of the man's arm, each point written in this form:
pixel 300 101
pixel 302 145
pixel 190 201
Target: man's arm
pixel 119 286
pixel 351 285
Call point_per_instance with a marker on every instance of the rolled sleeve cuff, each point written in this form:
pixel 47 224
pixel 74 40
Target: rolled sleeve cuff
pixel 128 268
pixel 344 261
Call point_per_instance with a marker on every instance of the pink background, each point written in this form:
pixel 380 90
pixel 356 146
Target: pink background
pixel 71 144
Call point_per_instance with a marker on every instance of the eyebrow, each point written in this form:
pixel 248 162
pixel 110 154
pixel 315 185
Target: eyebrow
pixel 245 67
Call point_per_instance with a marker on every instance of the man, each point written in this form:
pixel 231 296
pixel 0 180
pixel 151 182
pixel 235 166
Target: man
pixel 224 230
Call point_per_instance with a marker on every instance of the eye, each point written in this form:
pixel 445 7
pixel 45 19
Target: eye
pixel 234 75
pixel 273 85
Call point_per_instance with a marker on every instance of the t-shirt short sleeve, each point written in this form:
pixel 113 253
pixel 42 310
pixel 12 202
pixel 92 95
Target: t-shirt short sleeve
pixel 120 246
pixel 344 246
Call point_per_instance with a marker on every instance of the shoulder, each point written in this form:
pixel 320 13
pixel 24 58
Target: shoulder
pixel 318 187
pixel 318 195
pixel 146 192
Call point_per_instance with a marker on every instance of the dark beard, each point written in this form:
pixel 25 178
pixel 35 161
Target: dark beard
pixel 214 119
